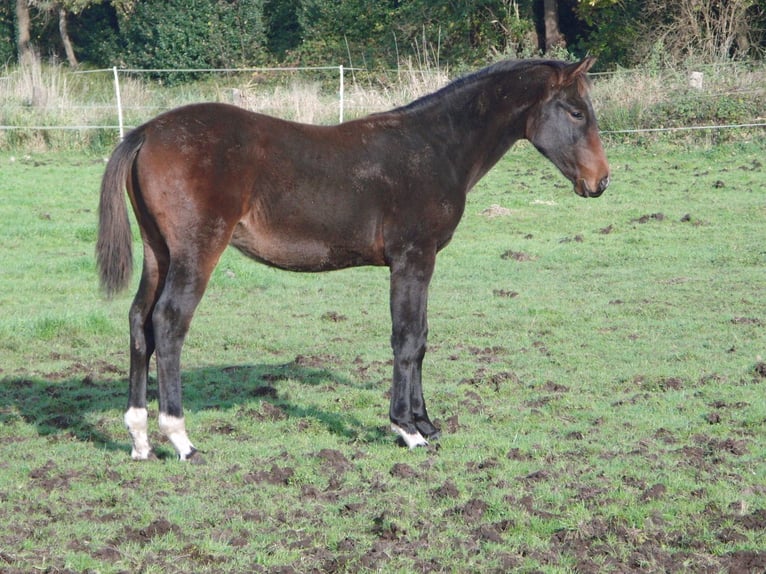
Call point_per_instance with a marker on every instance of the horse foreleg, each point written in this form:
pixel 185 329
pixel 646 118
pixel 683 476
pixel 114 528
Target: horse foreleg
pixel 410 277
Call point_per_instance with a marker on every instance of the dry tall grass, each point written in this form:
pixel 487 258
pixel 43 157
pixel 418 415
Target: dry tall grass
pixel 50 107
pixel 709 95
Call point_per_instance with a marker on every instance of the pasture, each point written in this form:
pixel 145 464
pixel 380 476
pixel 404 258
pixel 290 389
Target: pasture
pixel 597 368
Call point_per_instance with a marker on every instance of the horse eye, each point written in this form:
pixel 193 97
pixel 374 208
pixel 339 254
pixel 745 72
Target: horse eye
pixel 577 115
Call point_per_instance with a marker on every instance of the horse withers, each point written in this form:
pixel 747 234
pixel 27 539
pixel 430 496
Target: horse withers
pixel 388 189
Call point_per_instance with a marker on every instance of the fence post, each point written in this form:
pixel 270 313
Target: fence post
pixel 119 102
pixel 340 114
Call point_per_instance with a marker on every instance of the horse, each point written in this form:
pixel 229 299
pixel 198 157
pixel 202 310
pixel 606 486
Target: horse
pixel 388 189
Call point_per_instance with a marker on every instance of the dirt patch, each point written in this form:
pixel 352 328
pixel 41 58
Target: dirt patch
pixel 155 529
pixel 403 470
pixel 268 413
pixel 552 387
pixel 655 492
pixel 649 217
pixel 755 521
pixel 333 317
pixel 473 510
pixel 334 462
pixel 446 490
pixel 277 475
pixel 505 293
pixel 517 256
pixel 50 478
pixel 495 210
pixel 494 381
pixel 745 562
pixel 314 361
pixel 747 321
pixel 573 239
pixel 265 391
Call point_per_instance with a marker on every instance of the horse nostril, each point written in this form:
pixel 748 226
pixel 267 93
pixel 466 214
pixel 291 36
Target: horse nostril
pixel 603 184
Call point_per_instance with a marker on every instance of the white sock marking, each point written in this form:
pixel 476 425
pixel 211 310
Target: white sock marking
pixel 136 421
pixel 175 429
pixel 411 440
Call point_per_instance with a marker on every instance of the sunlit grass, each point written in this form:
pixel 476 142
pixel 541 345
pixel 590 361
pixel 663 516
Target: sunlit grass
pixel 616 351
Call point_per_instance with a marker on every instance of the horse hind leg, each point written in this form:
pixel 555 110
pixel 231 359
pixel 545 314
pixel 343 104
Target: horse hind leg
pixel 183 288
pixel 141 350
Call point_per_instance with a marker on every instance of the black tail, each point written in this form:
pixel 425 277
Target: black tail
pixel 114 253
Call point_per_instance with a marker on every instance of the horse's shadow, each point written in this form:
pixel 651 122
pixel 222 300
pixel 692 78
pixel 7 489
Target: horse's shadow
pixel 77 405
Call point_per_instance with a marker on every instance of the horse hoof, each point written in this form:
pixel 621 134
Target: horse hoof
pixel 141 458
pixel 436 435
pixel 194 457
pixel 412 440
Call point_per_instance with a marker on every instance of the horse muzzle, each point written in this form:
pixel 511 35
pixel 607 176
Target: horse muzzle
pixel 583 188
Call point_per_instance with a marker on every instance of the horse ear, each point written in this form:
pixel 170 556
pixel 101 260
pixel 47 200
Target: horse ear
pixel 574 71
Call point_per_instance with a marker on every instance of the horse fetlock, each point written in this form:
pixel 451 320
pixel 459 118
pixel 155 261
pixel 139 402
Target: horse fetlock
pixel 175 429
pixel 412 439
pixel 136 422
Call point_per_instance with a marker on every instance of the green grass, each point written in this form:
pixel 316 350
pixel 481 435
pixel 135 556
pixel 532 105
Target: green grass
pixel 597 367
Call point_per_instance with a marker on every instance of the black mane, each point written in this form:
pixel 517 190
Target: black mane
pixel 457 86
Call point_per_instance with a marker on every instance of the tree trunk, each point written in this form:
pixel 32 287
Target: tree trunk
pixel 71 58
pixel 553 37
pixel 24 38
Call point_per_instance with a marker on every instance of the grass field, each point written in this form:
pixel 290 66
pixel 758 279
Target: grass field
pixel 597 367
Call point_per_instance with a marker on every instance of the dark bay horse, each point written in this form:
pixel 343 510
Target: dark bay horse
pixel 388 189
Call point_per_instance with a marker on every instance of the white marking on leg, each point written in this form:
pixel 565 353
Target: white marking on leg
pixel 175 429
pixel 411 440
pixel 136 421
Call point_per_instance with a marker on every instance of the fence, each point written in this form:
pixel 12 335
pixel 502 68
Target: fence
pixel 628 101
pixel 119 108
pixel 714 97
pixel 118 98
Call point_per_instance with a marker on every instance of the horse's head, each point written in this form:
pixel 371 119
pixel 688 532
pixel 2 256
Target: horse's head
pixel 563 127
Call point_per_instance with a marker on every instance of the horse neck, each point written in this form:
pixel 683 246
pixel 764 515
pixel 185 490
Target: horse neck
pixel 477 123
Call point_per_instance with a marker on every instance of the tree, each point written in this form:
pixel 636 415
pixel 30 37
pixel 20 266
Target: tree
pixel 553 37
pixel 58 9
pixel 23 33
pixel 68 48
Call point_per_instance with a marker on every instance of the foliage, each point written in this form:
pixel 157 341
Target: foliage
pixel 380 34
pixel 705 30
pixel 330 27
pixel 611 30
pixel 597 367
pixel 464 32
pixel 221 34
pixel 283 31
pixel 96 34
pixel 7 34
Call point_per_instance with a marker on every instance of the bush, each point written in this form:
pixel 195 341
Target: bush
pixel 664 97
pixel 159 34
